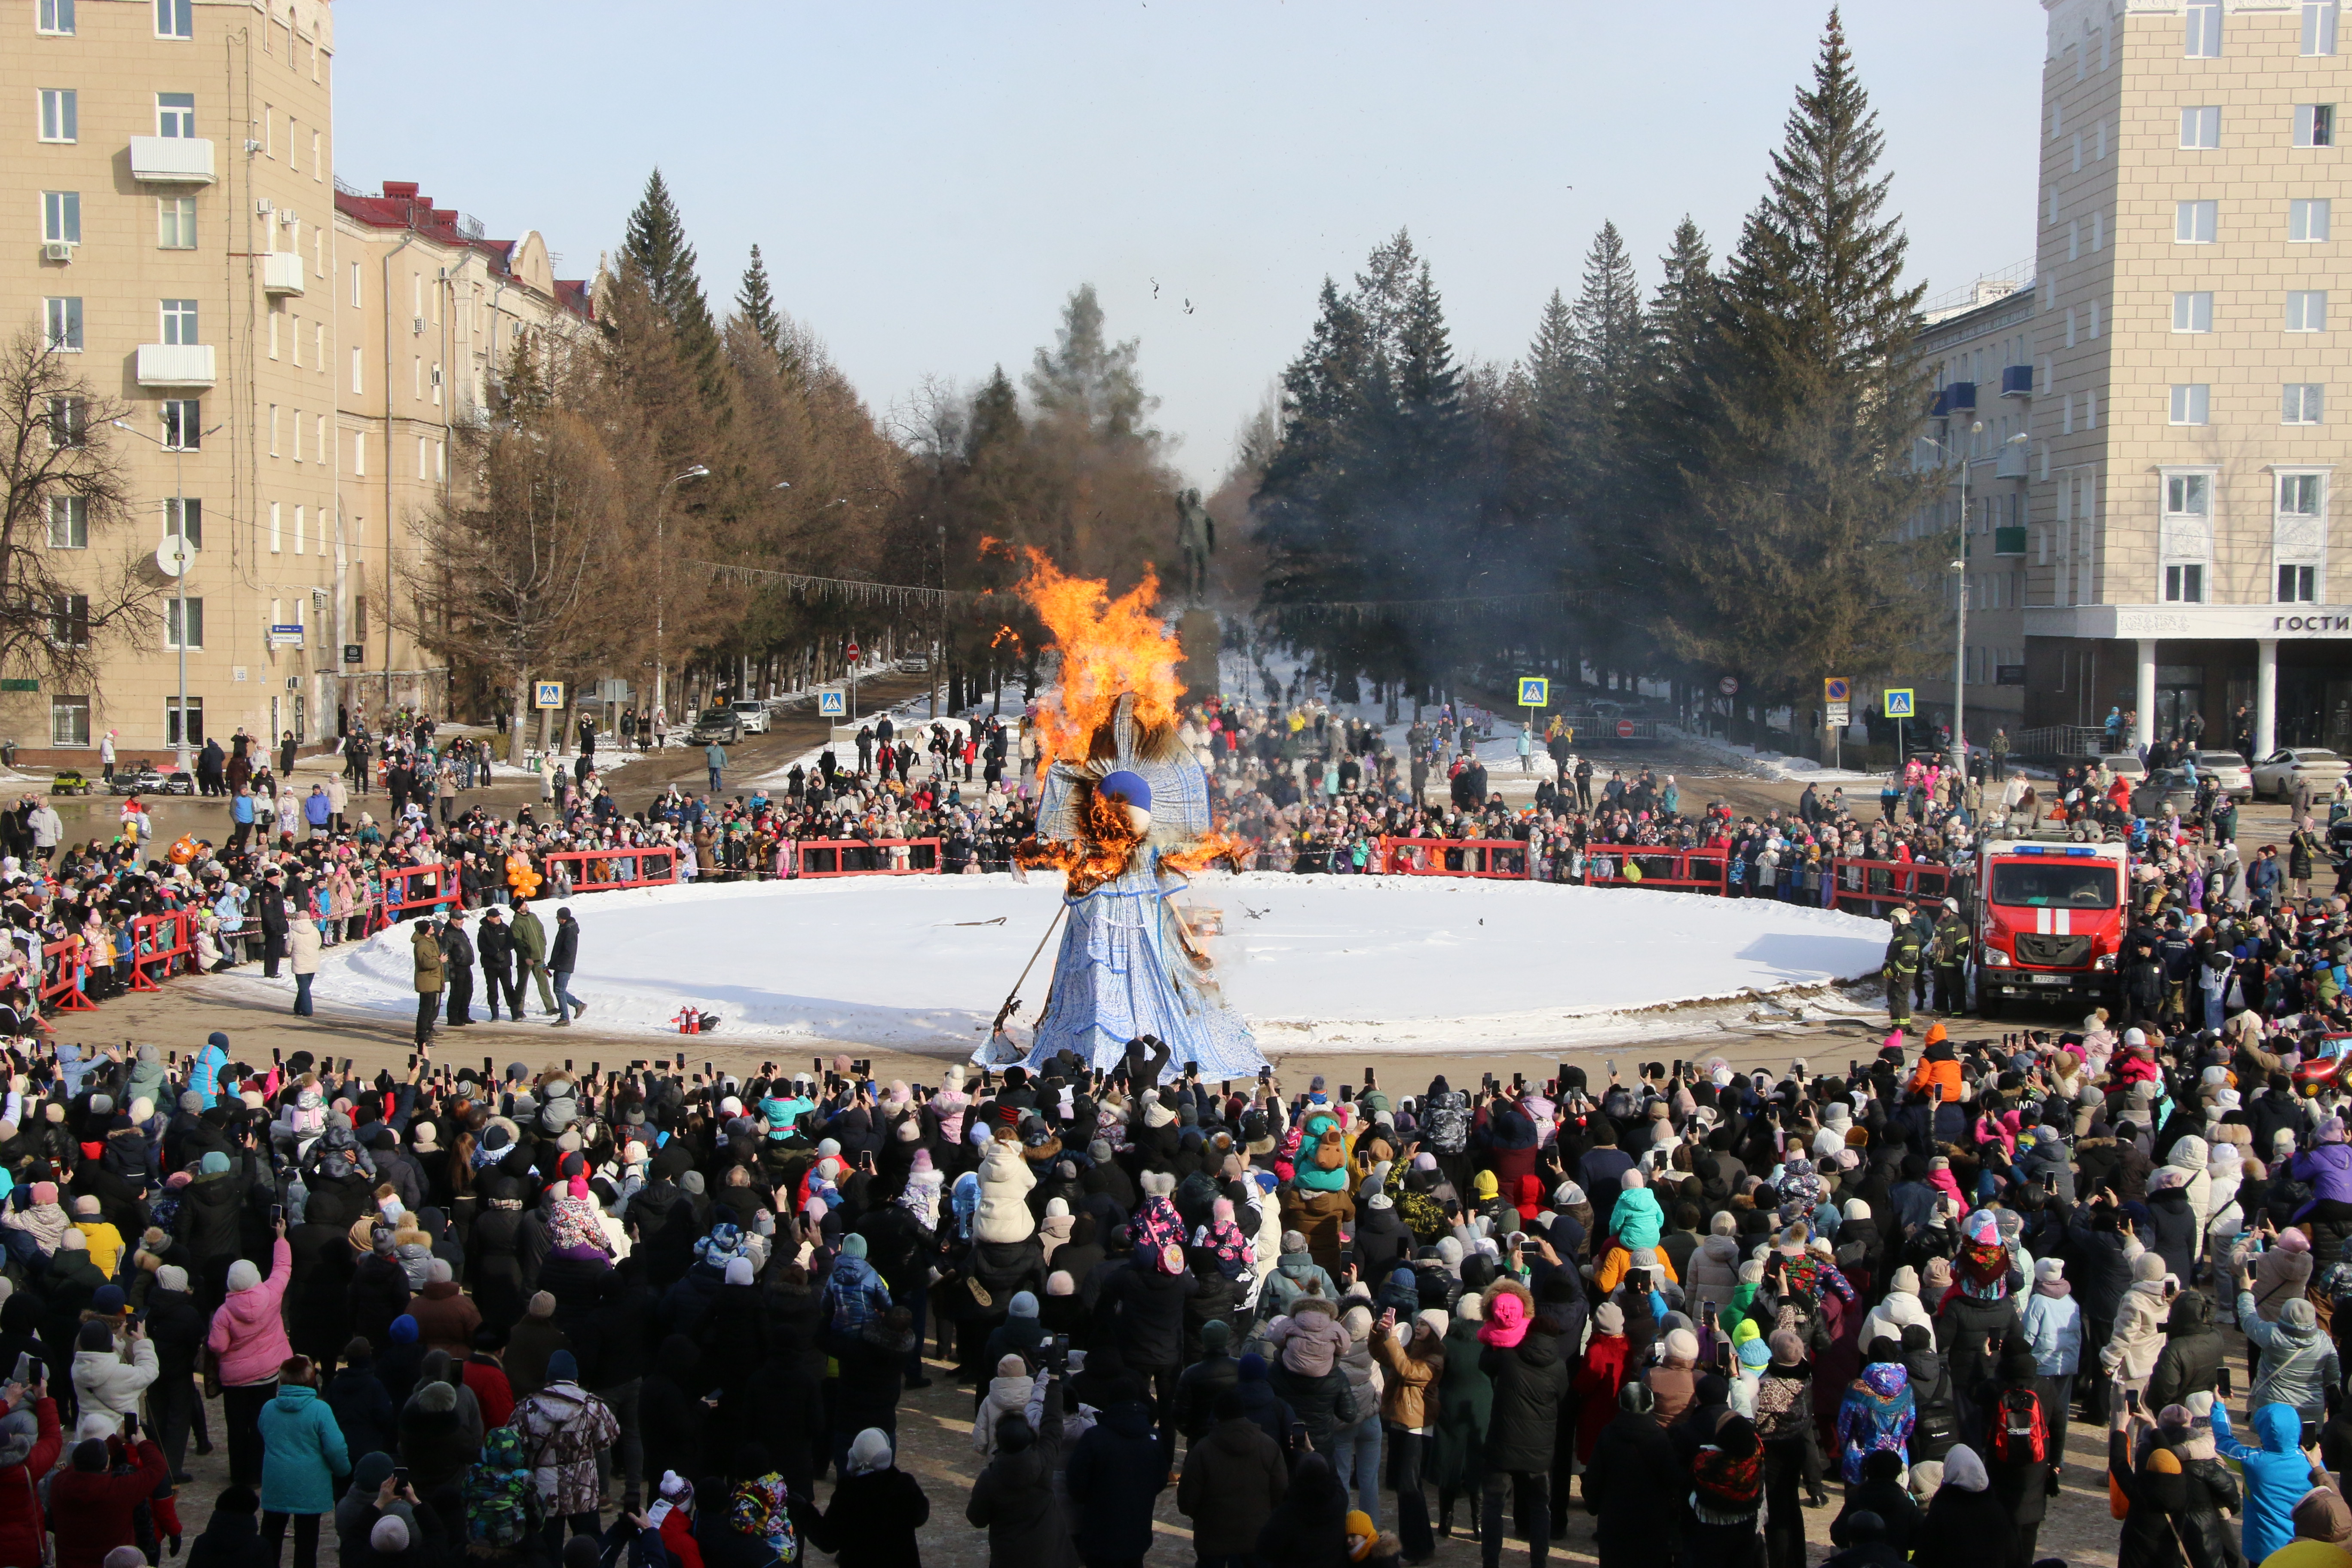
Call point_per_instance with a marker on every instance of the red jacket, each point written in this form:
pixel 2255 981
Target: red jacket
pixel 491 1391
pixel 20 1498
pixel 677 1539
pixel 93 1510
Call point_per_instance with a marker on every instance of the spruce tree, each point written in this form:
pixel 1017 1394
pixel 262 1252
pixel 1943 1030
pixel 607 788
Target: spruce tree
pixel 757 305
pixel 1802 482
pixel 655 244
pixel 1086 377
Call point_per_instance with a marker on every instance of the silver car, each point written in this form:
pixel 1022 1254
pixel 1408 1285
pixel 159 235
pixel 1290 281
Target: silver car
pixel 2276 775
pixel 752 714
pixel 2230 774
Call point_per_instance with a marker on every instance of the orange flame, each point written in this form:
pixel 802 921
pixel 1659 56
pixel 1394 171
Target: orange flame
pixel 1110 647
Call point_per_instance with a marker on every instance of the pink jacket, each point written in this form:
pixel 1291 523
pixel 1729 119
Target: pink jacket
pixel 249 1328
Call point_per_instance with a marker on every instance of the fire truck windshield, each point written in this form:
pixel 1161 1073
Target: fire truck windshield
pixel 2054 884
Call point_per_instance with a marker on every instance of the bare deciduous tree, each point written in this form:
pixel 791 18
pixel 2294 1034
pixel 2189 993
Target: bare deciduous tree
pixel 63 471
pixel 508 577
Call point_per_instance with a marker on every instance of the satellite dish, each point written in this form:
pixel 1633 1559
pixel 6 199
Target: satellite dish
pixel 174 556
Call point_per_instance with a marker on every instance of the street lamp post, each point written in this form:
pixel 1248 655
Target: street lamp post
pixel 661 576
pixel 1959 569
pixel 180 532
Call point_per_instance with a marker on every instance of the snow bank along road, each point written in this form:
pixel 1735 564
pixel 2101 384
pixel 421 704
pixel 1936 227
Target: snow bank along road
pixel 1377 963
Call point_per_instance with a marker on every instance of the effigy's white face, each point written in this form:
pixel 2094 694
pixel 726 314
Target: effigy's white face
pixel 1140 819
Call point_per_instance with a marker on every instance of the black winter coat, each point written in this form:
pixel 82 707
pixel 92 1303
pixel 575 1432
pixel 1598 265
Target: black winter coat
pixel 1310 1527
pixel 2190 1362
pixel 1149 1308
pixel 1114 1472
pixel 872 1519
pixel 1529 1381
pixel 1635 1481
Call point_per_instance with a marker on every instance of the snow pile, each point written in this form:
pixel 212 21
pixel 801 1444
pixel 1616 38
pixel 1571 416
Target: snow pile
pixel 1377 963
pixel 1770 764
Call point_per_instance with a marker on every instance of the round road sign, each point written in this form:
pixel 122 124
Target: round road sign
pixel 1728 685
pixel 1624 729
pixel 853 650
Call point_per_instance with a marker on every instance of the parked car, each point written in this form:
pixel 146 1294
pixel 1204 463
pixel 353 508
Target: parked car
pixel 2166 786
pixel 2123 764
pixel 2276 775
pixel 69 780
pixel 720 724
pixel 141 780
pixel 752 714
pixel 2236 780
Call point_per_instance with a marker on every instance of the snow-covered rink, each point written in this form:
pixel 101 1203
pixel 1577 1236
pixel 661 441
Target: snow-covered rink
pixel 1361 962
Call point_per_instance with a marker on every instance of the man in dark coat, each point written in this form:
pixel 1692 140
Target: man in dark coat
pixel 494 944
pixel 1635 1482
pixel 275 925
pixel 458 968
pixel 1234 1479
pixel 1114 1472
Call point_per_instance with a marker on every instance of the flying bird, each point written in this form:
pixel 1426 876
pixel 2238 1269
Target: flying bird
pixel 1155 288
pixel 1188 306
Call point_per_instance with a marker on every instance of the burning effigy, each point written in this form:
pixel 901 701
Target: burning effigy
pixel 1124 815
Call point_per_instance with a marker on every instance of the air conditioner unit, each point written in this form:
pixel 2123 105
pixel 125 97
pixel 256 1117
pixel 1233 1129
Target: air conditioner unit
pixel 57 250
pixel 420 326
pixel 262 207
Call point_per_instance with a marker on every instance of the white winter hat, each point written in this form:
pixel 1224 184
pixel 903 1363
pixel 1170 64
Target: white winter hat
pixel 243 1275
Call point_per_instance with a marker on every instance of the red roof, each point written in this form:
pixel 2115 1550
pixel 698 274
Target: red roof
pixel 403 207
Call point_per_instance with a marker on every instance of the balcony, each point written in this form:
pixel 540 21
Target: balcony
pixel 175 365
pixel 281 272
pixel 2012 465
pixel 2017 381
pixel 171 160
pixel 2009 540
pixel 1961 397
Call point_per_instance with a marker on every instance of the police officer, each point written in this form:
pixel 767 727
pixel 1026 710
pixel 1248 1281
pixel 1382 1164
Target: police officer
pixel 1951 947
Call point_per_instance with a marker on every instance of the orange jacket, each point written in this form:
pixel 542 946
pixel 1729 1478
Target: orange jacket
pixel 1947 1073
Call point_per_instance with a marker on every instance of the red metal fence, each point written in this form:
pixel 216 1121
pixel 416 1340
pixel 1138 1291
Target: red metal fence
pixel 843 857
pixel 1499 858
pixel 637 866
pixel 1683 871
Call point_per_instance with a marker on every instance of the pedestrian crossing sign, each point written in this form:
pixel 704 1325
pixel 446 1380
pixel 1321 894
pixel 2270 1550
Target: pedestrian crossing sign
pixel 1897 702
pixel 547 694
pixel 1534 692
pixel 830 704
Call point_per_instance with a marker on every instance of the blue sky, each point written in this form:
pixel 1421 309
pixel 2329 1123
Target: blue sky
pixel 929 182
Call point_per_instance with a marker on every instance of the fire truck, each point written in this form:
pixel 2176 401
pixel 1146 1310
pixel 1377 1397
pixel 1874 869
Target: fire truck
pixel 2051 919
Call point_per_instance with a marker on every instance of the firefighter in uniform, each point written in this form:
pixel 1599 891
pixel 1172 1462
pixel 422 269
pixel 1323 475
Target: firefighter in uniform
pixel 1904 946
pixel 1952 944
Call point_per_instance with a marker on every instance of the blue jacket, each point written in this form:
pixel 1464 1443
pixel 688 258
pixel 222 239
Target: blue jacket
pixel 202 1076
pixel 2277 1475
pixel 303 1453
pixel 240 809
pixel 2054 1332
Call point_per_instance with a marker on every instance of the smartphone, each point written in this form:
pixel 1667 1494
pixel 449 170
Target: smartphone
pixel 2131 1400
pixel 277 1054
pixel 412 1059
pixel 1519 1082
pixel 595 1070
pixel 1706 1312
pixel 1723 1354
pixel 131 1426
pixel 1678 1066
pixel 1612 1067
pixel 400 1475
pixel 1225 1087
pixel 681 1062
pixel 2050 1184
pixel 708 1072
pixel 277 1213
pixel 24 1373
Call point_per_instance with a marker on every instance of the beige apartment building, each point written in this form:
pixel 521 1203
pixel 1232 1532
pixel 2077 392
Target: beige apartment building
pixel 2191 316
pixel 1977 438
pixel 172 182
pixel 430 314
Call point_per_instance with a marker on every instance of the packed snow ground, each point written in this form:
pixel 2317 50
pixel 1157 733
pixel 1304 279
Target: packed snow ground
pixel 1367 962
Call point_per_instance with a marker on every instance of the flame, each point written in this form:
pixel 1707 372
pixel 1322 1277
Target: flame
pixel 1217 845
pixel 1110 647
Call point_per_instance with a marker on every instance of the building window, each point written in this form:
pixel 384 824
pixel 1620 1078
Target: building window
pixel 54 16
pixel 2192 312
pixel 2298 585
pixel 2314 125
pixel 2184 584
pixel 2319 27
pixel 174 622
pixel 70 619
pixel 359 453
pixel 68 422
pixel 69 522
pixel 196 735
pixel 2307 220
pixel 176 18
pixel 273 430
pixel 2202 39
pixel 2200 127
pixel 175 114
pixel 2194 223
pixel 300 518
pixel 2074 239
pixel 183 424
pixel 184 515
pixel 175 223
pixel 355 285
pixel 2302 404
pixel 61 216
pixel 180 323
pixel 2306 311
pixel 355 369
pixel 2191 403
pixel 2188 495
pixel 2299 495
pixel 60 117
pixel 69 720
pixel 61 325
pixel 276 528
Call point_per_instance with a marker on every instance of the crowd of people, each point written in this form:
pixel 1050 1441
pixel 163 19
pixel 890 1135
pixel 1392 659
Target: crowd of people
pixel 648 1313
